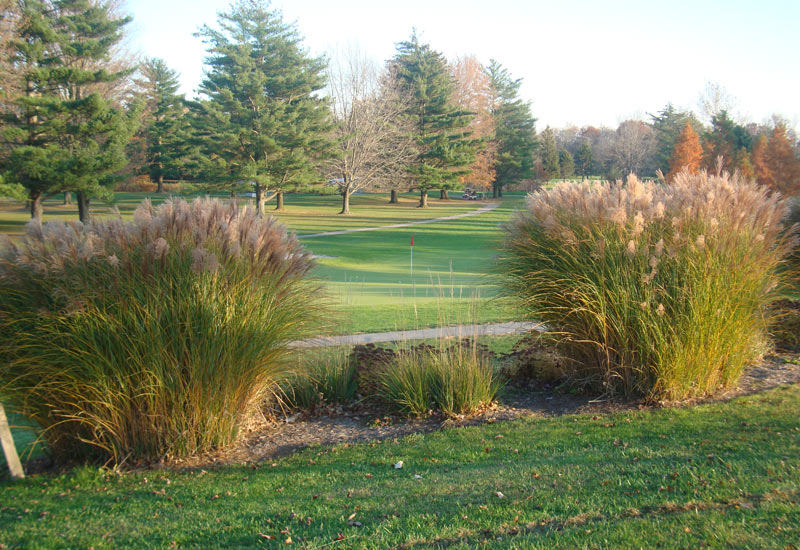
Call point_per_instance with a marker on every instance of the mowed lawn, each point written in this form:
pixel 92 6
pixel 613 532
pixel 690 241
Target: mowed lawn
pixel 718 476
pixel 368 274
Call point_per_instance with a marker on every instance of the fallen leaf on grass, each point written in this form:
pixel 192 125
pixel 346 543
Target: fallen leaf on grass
pixel 266 537
pixel 398 465
pixel 354 523
pixel 500 495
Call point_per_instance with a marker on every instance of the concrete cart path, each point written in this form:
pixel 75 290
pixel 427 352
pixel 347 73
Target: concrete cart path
pixel 460 331
pixel 490 206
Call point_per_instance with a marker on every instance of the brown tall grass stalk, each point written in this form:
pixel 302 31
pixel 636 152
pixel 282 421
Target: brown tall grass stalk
pixel 150 339
pixel 661 290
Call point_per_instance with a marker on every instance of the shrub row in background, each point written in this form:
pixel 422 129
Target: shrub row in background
pixel 154 338
pixel 661 290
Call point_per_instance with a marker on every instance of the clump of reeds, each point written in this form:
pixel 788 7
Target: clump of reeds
pixel 150 339
pixel 456 379
pixel 661 290
pixel 324 378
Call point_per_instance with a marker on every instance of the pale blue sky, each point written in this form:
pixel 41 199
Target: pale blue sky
pixel 582 61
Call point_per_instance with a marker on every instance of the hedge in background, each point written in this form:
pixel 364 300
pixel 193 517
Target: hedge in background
pixel 151 339
pixel 661 290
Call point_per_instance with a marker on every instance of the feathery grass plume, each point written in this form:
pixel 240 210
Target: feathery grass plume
pixel 666 292
pixel 155 338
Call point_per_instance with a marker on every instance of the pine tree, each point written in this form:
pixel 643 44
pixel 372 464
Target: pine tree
pixel 440 130
pixel 63 135
pixel 668 125
pixel 165 129
pixel 515 130
pixel 550 155
pixel 261 121
pixel 566 164
pixel 584 162
pixel 687 153
pixel 726 140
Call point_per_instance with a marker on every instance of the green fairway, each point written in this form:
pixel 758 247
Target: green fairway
pixel 368 273
pixel 716 476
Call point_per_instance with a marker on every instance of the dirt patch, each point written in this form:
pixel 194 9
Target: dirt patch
pixel 336 425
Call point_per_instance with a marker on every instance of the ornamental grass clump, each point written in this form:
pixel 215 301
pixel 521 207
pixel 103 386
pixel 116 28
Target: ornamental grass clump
pixel 151 339
pixel 660 290
pixel 457 379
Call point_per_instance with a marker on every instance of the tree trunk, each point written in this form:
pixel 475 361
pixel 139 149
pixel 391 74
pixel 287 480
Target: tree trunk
pixel 345 202
pixel 260 201
pixel 494 191
pixel 160 165
pixel 36 205
pixel 67 197
pixel 423 199
pixel 444 195
pixel 83 206
pixel 279 200
pixel 393 199
pixel 500 191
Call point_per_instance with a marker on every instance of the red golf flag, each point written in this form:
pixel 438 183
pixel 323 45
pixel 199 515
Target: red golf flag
pixel 412 240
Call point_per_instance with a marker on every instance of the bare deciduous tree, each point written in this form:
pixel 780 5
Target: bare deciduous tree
pixel 372 141
pixel 713 100
pixel 633 146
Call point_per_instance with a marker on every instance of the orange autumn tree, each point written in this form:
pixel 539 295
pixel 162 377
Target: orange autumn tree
pixel 687 154
pixel 473 92
pixel 783 162
pixel 761 167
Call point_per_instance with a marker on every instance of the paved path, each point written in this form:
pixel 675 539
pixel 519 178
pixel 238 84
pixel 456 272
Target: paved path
pixel 490 206
pixel 461 331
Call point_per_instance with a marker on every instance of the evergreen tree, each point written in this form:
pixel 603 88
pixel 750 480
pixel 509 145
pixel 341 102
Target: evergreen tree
pixel 165 129
pixel 261 122
pixel 726 140
pixel 515 133
pixel 566 164
pixel 444 146
pixel 62 134
pixel 550 155
pixel 687 153
pixel 668 125
pixel 584 162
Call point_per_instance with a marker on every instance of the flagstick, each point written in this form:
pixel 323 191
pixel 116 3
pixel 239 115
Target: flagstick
pixel 412 262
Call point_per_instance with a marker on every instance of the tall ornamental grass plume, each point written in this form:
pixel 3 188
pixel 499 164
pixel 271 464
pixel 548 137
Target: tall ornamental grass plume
pixel 656 290
pixel 151 339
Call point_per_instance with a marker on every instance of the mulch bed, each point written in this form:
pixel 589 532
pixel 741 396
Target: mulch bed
pixel 336 425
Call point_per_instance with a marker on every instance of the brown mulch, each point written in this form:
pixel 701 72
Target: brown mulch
pixel 336 425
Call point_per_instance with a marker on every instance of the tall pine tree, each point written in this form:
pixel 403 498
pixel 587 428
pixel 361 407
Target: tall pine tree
pixel 444 145
pixel 261 121
pixel 165 128
pixel 515 133
pixel 550 154
pixel 63 135
pixel 727 140
pixel 584 163
pixel 667 127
